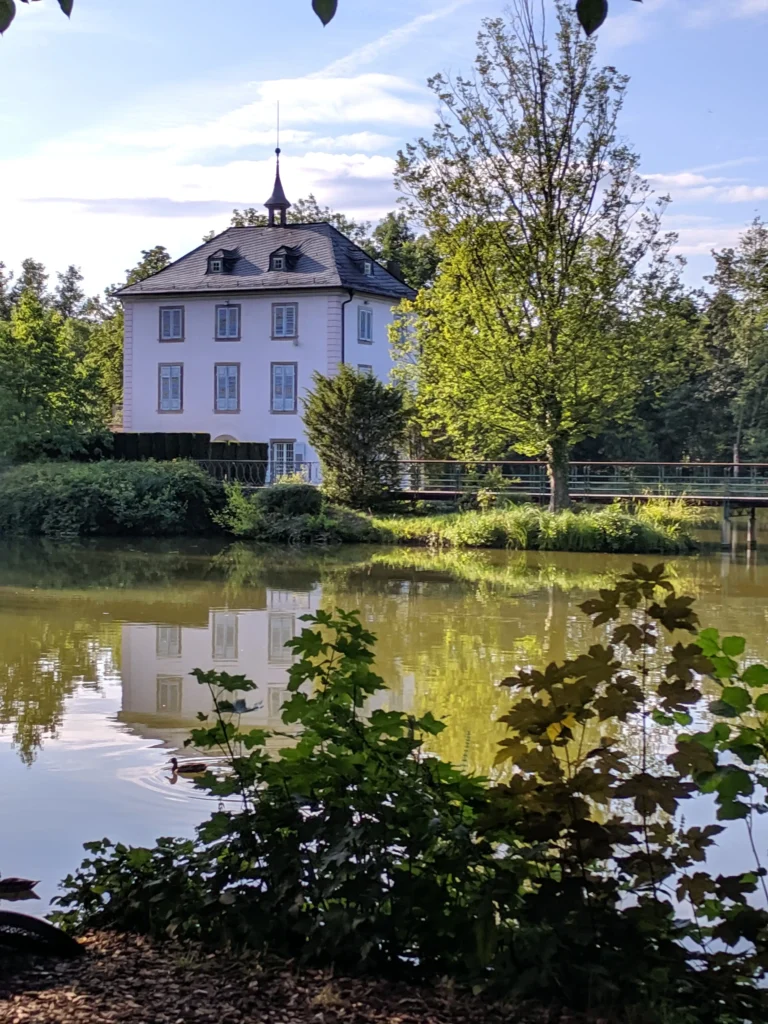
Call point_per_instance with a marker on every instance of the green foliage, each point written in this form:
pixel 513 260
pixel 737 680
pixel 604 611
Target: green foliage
pixel 357 426
pixel 307 211
pixel 557 883
pixel 395 240
pixel 352 847
pixel 289 499
pixel 48 402
pixel 533 528
pixel 289 513
pixel 146 498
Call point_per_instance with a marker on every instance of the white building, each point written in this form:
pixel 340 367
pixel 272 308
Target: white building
pixel 226 339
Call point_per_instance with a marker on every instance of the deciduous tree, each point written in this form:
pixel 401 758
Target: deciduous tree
pixel 545 231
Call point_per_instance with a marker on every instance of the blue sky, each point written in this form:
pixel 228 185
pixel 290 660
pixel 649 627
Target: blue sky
pixel 144 123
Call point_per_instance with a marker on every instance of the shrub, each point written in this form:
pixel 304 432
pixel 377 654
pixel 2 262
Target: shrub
pixel 70 499
pixel 292 514
pixel 289 499
pixel 357 426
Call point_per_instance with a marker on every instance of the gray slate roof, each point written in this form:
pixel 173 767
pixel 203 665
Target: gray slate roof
pixel 327 259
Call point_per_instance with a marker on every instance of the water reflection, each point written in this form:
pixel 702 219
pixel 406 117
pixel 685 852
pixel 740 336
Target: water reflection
pixel 97 642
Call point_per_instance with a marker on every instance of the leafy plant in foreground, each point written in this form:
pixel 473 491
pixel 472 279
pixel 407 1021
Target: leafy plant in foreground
pixel 351 847
pixel 572 880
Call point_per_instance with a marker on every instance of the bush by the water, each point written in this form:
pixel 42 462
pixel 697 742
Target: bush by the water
pixel 292 513
pixel 72 499
pixel 530 527
pixel 557 882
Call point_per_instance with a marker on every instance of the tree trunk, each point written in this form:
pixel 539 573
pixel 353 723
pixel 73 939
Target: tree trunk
pixel 557 471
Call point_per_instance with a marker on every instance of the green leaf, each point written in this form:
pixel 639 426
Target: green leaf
pixel 761 704
pixel 324 9
pixel 7 14
pixel 724 667
pixel 591 14
pixel 733 646
pixel 755 675
pixel 66 6
pixel 737 697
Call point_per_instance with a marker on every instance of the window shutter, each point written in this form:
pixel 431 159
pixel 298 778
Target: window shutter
pixel 223 323
pixel 176 323
pixel 277 388
pixel 289 388
pixel 175 387
pixel 165 388
pixel 290 321
pixel 279 321
pixel 165 323
pixel 234 321
pixel 232 388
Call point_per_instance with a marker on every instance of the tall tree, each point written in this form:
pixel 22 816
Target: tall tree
pixel 48 397
pixel 69 297
pixel 543 224
pixel 395 240
pixel 6 299
pixel 33 279
pixel 739 320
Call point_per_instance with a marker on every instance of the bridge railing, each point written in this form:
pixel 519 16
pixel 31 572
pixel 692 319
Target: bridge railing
pixel 590 479
pixel 599 480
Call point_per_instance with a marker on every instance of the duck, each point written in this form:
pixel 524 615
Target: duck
pixel 193 768
pixel 17 885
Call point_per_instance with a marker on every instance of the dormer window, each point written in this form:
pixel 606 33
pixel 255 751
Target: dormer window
pixel 368 268
pixel 222 261
pixel 277 263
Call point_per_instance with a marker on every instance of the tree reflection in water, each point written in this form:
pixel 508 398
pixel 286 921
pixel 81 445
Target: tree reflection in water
pixel 450 624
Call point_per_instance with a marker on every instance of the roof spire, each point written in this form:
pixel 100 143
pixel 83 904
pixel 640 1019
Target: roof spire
pixel 277 202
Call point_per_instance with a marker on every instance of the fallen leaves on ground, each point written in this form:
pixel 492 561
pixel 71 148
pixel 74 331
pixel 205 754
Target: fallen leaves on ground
pixel 130 980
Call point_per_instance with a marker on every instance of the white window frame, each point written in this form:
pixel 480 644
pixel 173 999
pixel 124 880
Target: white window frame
pixel 282 459
pixel 365 368
pixel 282 321
pixel 226 398
pixel 168 641
pixel 216 266
pixel 277 382
pixel 277 262
pixel 368 268
pixel 168 403
pixel 227 317
pixel 282 627
pixel 365 325
pixel 224 630
pixel 169 687
pixel 171 323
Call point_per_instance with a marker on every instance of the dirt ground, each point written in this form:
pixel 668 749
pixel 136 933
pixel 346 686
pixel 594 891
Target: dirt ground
pixel 129 980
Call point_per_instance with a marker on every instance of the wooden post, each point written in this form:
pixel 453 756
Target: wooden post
pixel 725 530
pixel 752 530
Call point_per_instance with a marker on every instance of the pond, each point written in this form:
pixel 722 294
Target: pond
pixel 97 641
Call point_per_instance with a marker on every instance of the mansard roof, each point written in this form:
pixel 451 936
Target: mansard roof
pixel 326 259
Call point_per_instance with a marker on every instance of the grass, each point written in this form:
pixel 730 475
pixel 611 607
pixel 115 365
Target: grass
pixel 663 529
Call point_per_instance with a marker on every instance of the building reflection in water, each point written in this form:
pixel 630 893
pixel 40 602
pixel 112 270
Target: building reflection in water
pixel 161 699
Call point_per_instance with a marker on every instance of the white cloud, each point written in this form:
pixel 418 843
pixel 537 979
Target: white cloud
pixel 391 40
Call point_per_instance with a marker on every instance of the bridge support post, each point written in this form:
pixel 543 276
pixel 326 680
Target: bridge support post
pixel 726 528
pixel 752 530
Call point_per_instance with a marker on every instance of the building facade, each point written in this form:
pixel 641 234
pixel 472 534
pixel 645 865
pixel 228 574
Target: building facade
pixel 226 339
